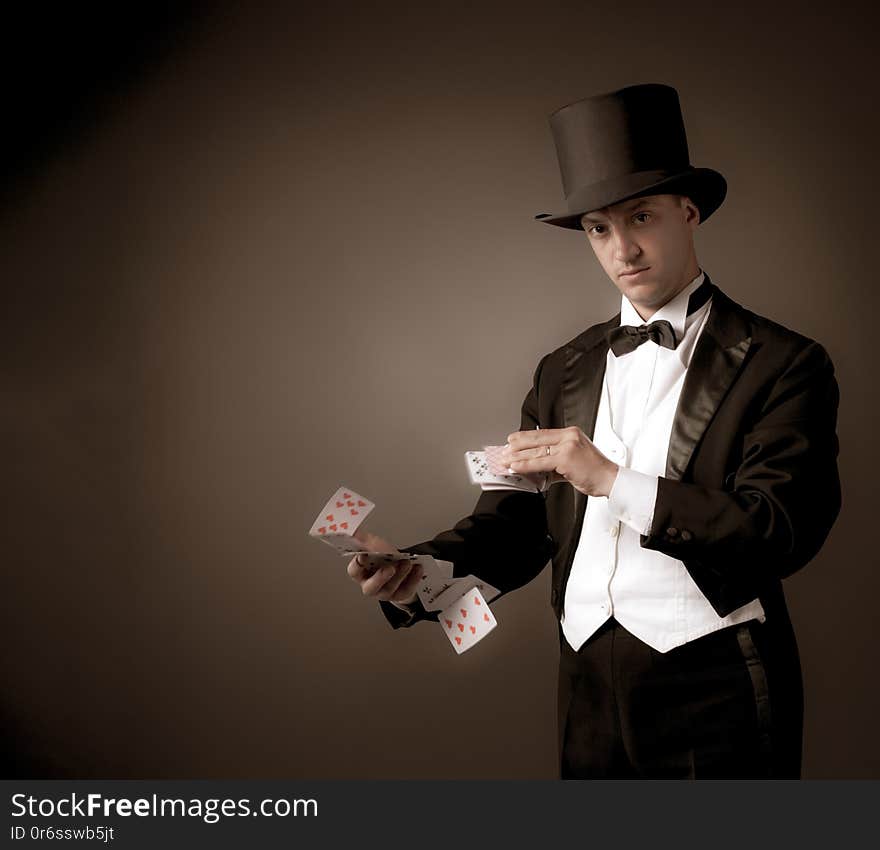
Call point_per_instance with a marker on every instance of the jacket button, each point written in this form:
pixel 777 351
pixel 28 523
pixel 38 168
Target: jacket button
pixel 672 532
pixel 686 535
pixel 554 595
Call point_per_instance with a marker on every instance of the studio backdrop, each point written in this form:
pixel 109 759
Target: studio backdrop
pixel 283 249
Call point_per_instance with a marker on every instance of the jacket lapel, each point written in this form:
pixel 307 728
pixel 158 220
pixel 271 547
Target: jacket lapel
pixel 717 359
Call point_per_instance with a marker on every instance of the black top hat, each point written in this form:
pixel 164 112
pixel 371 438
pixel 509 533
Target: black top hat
pixel 625 144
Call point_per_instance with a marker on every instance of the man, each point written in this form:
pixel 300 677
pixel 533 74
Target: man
pixel 692 456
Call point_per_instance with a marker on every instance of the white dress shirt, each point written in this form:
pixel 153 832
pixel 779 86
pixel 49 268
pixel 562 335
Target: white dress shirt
pixel 649 593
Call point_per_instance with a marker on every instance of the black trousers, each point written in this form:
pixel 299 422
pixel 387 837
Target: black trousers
pixel 726 705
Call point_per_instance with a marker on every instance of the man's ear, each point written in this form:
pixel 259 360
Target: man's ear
pixel 691 211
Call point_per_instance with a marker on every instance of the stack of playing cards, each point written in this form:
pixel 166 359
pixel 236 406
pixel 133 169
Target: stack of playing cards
pixel 462 602
pixel 486 469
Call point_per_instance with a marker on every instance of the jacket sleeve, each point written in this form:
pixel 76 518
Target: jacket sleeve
pixel 785 493
pixel 504 540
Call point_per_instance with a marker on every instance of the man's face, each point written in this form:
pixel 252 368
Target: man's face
pixel 653 236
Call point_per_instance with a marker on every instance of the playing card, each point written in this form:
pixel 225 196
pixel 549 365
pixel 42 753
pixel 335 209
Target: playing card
pixel 432 587
pixel 494 462
pixel 436 577
pixel 345 544
pixel 479 472
pixel 445 568
pixel 467 620
pixel 372 560
pixel 340 518
pixel 456 587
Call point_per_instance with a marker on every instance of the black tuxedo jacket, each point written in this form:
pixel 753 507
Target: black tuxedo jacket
pixel 751 487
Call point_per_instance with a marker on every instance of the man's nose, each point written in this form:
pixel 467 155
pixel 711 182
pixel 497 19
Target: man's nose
pixel 626 249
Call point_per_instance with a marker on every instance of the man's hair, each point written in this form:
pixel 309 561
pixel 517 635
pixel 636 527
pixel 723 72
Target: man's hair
pixel 681 199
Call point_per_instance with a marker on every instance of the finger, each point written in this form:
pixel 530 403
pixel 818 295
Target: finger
pixel 354 568
pixel 408 587
pixel 536 452
pixel 544 463
pixel 374 585
pixel 358 570
pixel 523 452
pixel 390 587
pixel 529 439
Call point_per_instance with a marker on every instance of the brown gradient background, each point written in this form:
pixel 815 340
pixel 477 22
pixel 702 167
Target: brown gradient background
pixel 297 250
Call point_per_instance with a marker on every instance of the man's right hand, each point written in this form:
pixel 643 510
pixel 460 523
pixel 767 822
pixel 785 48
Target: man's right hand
pixel 395 582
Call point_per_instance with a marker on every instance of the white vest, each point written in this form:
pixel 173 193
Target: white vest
pixel 649 593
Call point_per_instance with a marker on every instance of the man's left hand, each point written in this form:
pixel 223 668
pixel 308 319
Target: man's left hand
pixel 572 457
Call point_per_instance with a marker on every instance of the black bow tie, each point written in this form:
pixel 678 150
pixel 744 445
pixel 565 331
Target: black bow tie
pixel 626 338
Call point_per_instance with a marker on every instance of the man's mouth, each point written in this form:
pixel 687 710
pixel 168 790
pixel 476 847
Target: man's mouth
pixel 633 272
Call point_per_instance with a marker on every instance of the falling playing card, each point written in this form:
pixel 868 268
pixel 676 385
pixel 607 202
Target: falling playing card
pixel 430 589
pixel 455 587
pixel 435 578
pixel 467 620
pixel 433 586
pixel 340 518
pixel 444 568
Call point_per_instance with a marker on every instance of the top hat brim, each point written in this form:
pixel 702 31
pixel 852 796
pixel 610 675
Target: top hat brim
pixel 704 186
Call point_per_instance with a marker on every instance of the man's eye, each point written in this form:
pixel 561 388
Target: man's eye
pixel 596 228
pixel 643 216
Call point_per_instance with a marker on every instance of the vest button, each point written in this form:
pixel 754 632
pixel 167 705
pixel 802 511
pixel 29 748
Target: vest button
pixel 686 535
pixel 672 532
pixel 554 596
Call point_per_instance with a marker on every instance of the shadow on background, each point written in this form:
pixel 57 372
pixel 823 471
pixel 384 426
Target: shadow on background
pixel 69 68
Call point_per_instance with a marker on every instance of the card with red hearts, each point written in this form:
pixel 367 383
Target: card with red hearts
pixel 340 518
pixel 467 620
